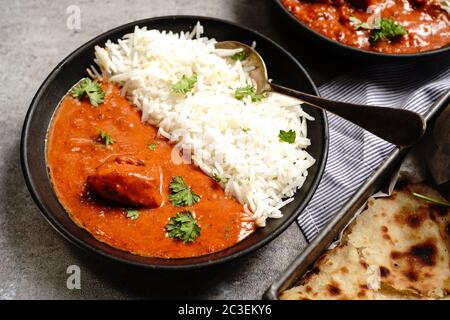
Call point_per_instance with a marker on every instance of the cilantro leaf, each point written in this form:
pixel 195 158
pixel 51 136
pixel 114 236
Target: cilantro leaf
pixel 431 200
pixel 132 214
pixel 180 194
pixel 388 30
pixel 381 29
pixel 105 138
pixel 185 85
pixel 183 227
pixel 287 136
pixel 250 91
pixel 78 91
pixel 151 146
pixel 92 89
pixel 96 97
pixel 239 56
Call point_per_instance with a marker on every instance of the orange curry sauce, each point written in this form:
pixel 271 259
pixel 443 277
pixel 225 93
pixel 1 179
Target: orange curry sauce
pixel 74 153
pixel 427 24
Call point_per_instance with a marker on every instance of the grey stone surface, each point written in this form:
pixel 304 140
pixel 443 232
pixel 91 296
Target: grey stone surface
pixel 34 258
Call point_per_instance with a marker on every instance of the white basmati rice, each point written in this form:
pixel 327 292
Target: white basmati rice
pixel 236 140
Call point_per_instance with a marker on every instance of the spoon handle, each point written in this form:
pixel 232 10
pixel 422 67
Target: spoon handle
pixel 397 126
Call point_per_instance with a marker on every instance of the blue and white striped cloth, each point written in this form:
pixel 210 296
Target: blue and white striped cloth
pixel 354 154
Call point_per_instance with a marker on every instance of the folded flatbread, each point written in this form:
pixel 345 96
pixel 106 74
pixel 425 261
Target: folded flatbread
pixel 398 248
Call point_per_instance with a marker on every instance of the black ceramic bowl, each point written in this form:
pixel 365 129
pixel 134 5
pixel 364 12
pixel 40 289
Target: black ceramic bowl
pixel 346 50
pixel 282 67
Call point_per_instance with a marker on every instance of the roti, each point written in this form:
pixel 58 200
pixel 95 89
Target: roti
pixel 330 278
pixel 398 248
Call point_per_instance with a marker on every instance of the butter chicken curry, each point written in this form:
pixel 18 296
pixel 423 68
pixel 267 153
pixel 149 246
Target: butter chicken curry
pixel 117 180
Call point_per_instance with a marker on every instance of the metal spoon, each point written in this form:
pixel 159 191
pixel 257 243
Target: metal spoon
pixel 397 126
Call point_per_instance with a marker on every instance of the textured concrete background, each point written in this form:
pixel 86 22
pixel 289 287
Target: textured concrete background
pixel 34 258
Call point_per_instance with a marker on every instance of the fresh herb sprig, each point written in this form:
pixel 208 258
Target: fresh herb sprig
pixel 181 194
pixel 287 136
pixel 132 214
pixel 151 146
pixel 185 84
pixel 239 56
pixel 249 91
pixel 388 30
pixel 382 29
pixel 105 138
pixel 92 89
pixel 183 227
pixel 432 200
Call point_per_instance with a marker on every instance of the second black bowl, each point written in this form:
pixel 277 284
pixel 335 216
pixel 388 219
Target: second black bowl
pixel 346 50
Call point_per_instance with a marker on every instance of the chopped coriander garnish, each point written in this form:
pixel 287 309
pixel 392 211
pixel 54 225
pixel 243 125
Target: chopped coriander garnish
pixel 431 200
pixel 132 214
pixel 105 138
pixel 185 85
pixel 92 89
pixel 246 130
pixel 151 146
pixel 388 30
pixel 183 227
pixel 250 91
pixel 287 136
pixel 239 56
pixel 382 29
pixel 219 179
pixel 181 194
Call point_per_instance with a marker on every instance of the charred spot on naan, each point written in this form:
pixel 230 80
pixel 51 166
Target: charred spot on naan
pixel 412 262
pixel 421 254
pixel 412 217
pixel 343 269
pixel 385 233
pixel 363 291
pixel 384 272
pixel 333 288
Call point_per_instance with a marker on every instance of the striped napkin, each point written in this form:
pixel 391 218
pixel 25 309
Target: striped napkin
pixel 354 154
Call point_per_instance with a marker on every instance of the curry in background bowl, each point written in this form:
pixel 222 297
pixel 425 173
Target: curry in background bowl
pixel 382 26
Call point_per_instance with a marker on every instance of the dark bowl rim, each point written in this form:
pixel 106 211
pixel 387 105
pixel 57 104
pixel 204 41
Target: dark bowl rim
pixel 61 229
pixel 359 51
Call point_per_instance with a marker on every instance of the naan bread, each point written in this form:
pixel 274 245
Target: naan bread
pixel 339 274
pixel 396 249
pixel 401 236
